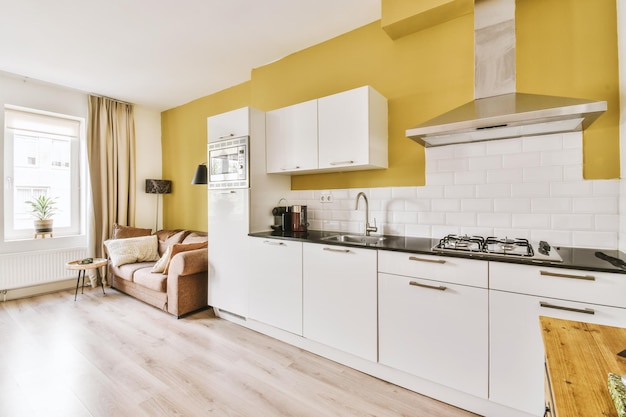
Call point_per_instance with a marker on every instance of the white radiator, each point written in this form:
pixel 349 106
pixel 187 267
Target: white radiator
pixel 19 270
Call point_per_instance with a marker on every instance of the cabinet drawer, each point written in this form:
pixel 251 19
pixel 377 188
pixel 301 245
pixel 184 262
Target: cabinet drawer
pixel 438 268
pixel 567 284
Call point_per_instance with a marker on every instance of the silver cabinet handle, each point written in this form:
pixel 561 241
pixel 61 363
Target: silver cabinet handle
pixel 290 168
pixel 341 162
pixel 336 250
pixel 554 274
pixel 575 310
pixel 230 135
pixel 435 261
pixel 268 242
pixel 432 287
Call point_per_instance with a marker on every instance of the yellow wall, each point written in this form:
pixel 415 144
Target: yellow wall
pixel 184 147
pixel 565 47
pixel 569 48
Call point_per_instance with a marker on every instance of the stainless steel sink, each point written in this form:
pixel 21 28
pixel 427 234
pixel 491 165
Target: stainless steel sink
pixel 355 239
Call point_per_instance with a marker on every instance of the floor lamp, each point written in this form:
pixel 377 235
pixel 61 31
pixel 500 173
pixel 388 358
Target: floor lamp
pixel 158 187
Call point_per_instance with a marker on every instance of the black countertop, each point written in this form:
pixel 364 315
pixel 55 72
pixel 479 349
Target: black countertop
pixel 576 258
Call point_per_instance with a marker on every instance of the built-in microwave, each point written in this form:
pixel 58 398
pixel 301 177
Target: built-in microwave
pixel 228 164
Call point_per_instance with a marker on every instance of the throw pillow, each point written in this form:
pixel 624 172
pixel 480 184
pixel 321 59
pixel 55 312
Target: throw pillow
pixel 182 247
pixel 124 232
pixel 133 249
pixel 162 262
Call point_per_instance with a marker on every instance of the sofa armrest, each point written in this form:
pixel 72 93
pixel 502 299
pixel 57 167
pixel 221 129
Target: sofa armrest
pixel 189 262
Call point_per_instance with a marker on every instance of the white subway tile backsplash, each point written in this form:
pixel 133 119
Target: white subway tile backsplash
pixel 477 205
pixel 502 147
pixel 607 222
pixel 485 162
pixel 599 240
pixel 543 174
pixel 446 205
pixel 494 220
pixel 520 188
pixel 493 190
pixel 542 143
pixel 571 189
pixel 505 176
pixel 562 157
pixel 461 219
pixel 532 189
pixel 572 221
pixel 470 177
pixel 440 178
pixel 551 205
pixel 511 205
pixel 597 205
pixel 530 221
pixel 460 191
pixel 522 160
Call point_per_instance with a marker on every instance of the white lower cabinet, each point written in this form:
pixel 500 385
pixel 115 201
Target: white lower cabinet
pixel 519 295
pixel 276 283
pixel 436 330
pixel 340 294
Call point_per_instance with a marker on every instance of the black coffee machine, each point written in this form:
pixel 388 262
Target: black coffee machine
pixel 290 218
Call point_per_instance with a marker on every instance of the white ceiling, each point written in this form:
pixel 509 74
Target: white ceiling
pixel 164 53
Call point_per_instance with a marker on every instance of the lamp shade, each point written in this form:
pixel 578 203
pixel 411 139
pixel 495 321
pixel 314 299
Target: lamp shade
pixel 201 175
pixel 158 186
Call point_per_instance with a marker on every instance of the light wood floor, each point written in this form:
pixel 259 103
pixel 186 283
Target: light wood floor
pixel 115 356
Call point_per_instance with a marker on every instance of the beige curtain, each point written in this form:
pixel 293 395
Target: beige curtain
pixel 111 153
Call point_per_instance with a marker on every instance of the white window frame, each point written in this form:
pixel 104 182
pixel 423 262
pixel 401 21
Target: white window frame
pixel 77 173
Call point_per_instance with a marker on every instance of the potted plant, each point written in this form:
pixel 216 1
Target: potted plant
pixel 42 209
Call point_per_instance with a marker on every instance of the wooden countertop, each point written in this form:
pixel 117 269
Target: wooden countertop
pixel 579 357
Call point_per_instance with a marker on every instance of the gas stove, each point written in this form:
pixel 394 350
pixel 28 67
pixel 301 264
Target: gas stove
pixel 498 248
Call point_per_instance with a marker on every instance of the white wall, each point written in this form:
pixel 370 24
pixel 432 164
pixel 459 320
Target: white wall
pixel 20 91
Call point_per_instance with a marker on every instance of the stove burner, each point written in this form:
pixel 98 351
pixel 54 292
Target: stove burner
pixel 498 247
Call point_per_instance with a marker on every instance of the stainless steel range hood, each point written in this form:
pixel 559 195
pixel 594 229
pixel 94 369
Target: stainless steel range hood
pixel 499 112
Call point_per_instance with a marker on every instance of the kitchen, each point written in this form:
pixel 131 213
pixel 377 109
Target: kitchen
pixel 559 188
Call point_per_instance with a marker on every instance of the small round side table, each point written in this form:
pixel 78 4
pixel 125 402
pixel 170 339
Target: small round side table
pixel 82 268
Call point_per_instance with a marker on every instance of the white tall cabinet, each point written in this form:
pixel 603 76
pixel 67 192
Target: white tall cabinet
pixel 232 214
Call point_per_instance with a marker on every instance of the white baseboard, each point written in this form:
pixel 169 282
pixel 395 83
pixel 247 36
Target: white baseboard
pixel 40 289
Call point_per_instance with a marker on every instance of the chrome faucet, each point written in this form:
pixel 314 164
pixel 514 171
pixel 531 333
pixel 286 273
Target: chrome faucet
pixel 368 228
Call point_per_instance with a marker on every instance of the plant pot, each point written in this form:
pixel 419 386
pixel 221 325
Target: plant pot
pixel 43 226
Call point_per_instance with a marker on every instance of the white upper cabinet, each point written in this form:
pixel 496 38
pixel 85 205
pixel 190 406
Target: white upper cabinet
pixel 353 130
pixel 232 124
pixel 292 138
pixel 346 131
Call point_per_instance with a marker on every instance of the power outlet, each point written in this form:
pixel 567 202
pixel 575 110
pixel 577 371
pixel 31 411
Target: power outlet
pixel 326 198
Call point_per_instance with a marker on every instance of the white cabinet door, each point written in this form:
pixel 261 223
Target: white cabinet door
pixel 516 370
pixel 292 138
pixel 340 307
pixel 353 130
pixel 228 250
pixel 276 283
pixel 435 330
pixel 234 124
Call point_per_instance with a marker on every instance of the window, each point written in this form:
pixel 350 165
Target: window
pixel 41 157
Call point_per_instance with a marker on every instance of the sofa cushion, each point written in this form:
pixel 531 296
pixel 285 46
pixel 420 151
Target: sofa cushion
pixel 169 237
pixel 128 270
pixel 145 278
pixel 183 247
pixel 194 237
pixel 134 249
pixel 124 232
pixel 160 265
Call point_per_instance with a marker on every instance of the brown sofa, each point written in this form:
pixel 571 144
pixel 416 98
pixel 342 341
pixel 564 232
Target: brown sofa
pixel 182 288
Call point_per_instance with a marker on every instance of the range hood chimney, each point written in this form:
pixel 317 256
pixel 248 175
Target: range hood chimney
pixel 498 111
